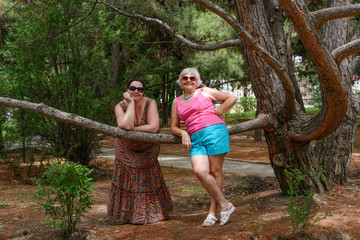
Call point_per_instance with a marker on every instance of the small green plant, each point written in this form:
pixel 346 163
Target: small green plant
pixel 300 203
pixel 67 189
pixel 257 224
pixel 3 204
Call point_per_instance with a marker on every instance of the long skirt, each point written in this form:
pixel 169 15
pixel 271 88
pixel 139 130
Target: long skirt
pixel 138 192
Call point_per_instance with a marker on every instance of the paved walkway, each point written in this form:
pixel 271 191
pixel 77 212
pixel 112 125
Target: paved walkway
pixel 260 169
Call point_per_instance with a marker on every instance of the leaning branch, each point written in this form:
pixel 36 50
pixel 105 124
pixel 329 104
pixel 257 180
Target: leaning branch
pixel 346 50
pixel 261 122
pixel 328 14
pixel 44 110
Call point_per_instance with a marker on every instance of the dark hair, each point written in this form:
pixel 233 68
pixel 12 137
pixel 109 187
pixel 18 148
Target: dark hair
pixel 136 80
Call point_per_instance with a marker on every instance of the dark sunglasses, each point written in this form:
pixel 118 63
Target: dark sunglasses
pixel 133 88
pixel 185 78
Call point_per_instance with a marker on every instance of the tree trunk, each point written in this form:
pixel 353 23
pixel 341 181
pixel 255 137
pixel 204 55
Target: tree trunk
pixel 285 153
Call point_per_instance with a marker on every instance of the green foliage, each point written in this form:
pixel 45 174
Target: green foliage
pixel 67 189
pixel 301 199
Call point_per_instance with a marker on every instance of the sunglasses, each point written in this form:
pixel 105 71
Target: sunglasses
pixel 133 88
pixel 185 78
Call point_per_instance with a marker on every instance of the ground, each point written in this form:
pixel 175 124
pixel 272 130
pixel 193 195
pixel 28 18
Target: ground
pixel 261 207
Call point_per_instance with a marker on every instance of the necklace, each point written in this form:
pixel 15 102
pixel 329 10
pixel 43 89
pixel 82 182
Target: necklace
pixel 186 98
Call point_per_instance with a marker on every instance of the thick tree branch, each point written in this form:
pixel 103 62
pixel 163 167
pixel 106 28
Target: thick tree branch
pixel 328 14
pixel 70 118
pixel 335 94
pixel 346 50
pixel 261 122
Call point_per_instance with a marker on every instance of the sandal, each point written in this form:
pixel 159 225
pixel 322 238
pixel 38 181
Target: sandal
pixel 209 219
pixel 225 216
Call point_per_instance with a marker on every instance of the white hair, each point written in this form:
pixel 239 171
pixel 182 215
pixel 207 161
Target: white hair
pixel 192 71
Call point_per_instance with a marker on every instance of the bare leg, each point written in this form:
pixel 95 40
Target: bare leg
pixel 216 164
pixel 201 167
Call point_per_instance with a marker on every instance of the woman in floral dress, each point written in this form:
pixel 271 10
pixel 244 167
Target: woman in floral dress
pixel 138 191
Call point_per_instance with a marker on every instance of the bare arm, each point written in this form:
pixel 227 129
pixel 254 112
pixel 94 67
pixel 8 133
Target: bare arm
pixel 228 100
pixel 125 120
pixel 152 125
pixel 175 127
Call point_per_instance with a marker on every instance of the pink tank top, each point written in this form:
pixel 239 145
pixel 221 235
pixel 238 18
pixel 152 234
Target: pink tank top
pixel 198 113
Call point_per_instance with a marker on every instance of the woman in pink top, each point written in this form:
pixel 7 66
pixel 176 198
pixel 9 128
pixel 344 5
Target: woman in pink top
pixel 206 137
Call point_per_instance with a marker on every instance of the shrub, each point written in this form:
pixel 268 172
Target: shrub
pixel 67 189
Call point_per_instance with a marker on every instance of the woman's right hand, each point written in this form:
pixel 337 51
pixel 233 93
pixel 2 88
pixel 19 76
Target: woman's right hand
pixel 127 97
pixel 186 141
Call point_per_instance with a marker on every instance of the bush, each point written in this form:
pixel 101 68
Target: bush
pixel 67 189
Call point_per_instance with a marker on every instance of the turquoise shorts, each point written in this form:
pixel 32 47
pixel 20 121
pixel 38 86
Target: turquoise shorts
pixel 212 140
